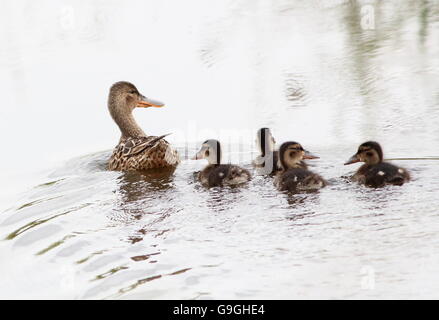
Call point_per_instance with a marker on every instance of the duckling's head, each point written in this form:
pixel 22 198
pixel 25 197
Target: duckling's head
pixel 210 150
pixel 369 152
pixel 291 153
pixel 124 98
pixel 265 141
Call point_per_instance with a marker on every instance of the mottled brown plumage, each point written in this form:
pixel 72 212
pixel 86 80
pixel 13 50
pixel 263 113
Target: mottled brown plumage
pixel 136 150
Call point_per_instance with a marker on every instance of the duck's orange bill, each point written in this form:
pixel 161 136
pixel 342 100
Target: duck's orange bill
pixel 146 103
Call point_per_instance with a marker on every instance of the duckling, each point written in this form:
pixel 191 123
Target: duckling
pixel 294 177
pixel 217 174
pixel 136 150
pixel 268 161
pixel 375 172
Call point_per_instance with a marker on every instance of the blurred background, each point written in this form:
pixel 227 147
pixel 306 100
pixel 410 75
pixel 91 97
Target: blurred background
pixel 329 74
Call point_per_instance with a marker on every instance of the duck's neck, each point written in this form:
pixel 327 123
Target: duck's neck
pixel 128 126
pixel 124 118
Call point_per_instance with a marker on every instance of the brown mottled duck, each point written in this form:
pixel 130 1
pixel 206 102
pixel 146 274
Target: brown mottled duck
pixel 375 172
pixel 136 150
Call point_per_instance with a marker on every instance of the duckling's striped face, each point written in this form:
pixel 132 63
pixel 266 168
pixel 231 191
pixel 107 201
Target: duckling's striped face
pixel 291 153
pixel 210 150
pixel 294 153
pixel 369 152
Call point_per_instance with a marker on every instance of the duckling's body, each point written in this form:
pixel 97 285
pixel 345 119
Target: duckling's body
pixel 375 172
pixel 299 179
pixel 268 160
pixel 216 174
pixel 381 174
pixel 136 150
pixel 293 177
pixel 223 175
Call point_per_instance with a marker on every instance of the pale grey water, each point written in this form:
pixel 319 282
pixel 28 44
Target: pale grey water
pixel 316 73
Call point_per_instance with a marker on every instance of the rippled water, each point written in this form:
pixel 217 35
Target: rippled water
pixel 318 73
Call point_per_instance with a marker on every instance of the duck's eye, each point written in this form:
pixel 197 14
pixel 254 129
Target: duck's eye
pixel 369 154
pixel 292 153
pixel 133 91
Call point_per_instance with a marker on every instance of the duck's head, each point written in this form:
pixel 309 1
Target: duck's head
pixel 369 152
pixel 124 97
pixel 210 150
pixel 265 141
pixel 291 153
pixel 122 100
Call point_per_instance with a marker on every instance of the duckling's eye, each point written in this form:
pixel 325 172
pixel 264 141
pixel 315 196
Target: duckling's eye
pixel 369 154
pixel 207 153
pixel 133 91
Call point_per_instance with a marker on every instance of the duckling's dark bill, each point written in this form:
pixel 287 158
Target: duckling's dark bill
pixel 309 155
pixel 352 160
pixel 146 103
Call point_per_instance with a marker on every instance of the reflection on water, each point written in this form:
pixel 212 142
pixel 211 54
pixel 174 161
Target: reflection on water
pixel 311 71
pixel 137 188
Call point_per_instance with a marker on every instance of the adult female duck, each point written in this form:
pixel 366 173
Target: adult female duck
pixel 136 150
pixel 375 172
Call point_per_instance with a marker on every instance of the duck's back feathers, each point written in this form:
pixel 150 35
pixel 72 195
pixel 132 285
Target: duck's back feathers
pixel 299 179
pixel 223 175
pixel 381 174
pixel 141 153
